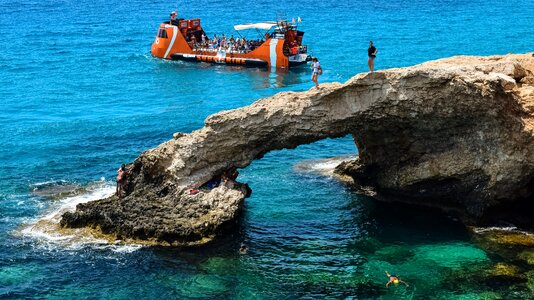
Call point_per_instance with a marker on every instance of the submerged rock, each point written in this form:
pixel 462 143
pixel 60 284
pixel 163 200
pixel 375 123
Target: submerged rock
pixel 55 190
pixel 455 133
pixel 505 270
pixel 527 256
pixel 394 254
pixel 530 281
pixel 509 238
pixel 452 256
pixel 505 274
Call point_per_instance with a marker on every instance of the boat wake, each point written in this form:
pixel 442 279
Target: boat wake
pixel 46 231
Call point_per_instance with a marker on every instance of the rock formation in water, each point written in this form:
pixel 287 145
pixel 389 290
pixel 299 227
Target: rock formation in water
pixel 454 133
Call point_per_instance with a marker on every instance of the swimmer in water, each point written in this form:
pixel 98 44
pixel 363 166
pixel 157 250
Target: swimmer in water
pixel 394 279
pixel 243 249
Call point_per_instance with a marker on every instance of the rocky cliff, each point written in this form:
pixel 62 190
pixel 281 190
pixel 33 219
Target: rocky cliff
pixel 454 133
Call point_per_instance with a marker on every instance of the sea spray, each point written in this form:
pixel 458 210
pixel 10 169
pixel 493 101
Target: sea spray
pixel 46 231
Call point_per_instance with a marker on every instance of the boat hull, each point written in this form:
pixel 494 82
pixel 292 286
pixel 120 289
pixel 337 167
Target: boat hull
pixel 214 59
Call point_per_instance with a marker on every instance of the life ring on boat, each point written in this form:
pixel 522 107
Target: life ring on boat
pixel 157 40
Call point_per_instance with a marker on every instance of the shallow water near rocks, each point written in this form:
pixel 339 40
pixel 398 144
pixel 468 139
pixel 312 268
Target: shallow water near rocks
pixel 80 95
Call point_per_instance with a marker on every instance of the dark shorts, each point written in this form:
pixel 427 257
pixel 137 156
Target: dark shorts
pixel 372 57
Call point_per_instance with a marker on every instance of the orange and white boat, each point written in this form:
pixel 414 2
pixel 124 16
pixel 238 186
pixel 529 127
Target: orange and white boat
pixel 279 45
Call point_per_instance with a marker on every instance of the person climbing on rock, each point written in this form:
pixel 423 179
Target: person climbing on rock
pixel 394 279
pixel 122 173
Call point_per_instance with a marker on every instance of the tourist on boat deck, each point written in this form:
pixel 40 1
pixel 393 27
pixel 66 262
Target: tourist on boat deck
pixel 371 52
pixel 394 279
pixel 174 20
pixel 317 70
pixel 294 50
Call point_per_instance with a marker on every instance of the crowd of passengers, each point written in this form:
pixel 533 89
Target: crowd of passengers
pixel 233 45
pixel 221 42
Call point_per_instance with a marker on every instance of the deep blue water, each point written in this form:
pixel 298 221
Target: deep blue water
pixel 80 94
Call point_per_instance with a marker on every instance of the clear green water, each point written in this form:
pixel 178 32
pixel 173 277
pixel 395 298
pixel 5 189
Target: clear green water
pixel 80 95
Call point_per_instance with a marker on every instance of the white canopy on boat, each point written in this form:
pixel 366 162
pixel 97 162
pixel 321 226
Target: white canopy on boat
pixel 262 25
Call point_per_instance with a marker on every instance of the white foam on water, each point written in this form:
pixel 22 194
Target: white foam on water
pixel 125 248
pixel 69 204
pixel 480 230
pixel 47 182
pixel 44 229
pixel 326 166
pixel 322 166
pixel 486 229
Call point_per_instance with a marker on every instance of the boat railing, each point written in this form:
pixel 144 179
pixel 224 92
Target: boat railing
pixel 213 50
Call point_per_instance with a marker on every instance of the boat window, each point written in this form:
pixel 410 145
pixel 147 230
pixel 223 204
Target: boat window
pixel 162 33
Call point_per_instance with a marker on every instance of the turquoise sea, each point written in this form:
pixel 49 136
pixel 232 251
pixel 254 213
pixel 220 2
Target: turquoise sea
pixel 80 94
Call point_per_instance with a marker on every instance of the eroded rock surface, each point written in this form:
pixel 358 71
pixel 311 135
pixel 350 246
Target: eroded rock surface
pixel 456 133
pixel 464 143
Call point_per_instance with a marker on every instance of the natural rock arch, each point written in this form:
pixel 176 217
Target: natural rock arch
pixel 455 132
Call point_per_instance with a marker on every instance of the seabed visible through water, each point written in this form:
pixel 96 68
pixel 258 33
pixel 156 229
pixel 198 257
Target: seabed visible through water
pixel 80 94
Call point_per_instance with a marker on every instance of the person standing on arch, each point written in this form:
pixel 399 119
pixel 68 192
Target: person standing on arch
pixel 317 70
pixel 371 52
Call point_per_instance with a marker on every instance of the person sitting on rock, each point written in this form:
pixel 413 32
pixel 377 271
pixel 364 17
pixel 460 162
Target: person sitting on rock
pixel 213 183
pixel 121 181
pixel 394 279
pixel 227 182
pixel 194 191
pixel 232 173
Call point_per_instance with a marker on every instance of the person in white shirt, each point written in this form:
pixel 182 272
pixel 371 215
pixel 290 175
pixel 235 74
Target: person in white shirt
pixel 317 70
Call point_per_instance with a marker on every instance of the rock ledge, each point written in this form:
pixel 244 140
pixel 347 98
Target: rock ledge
pixel 455 133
